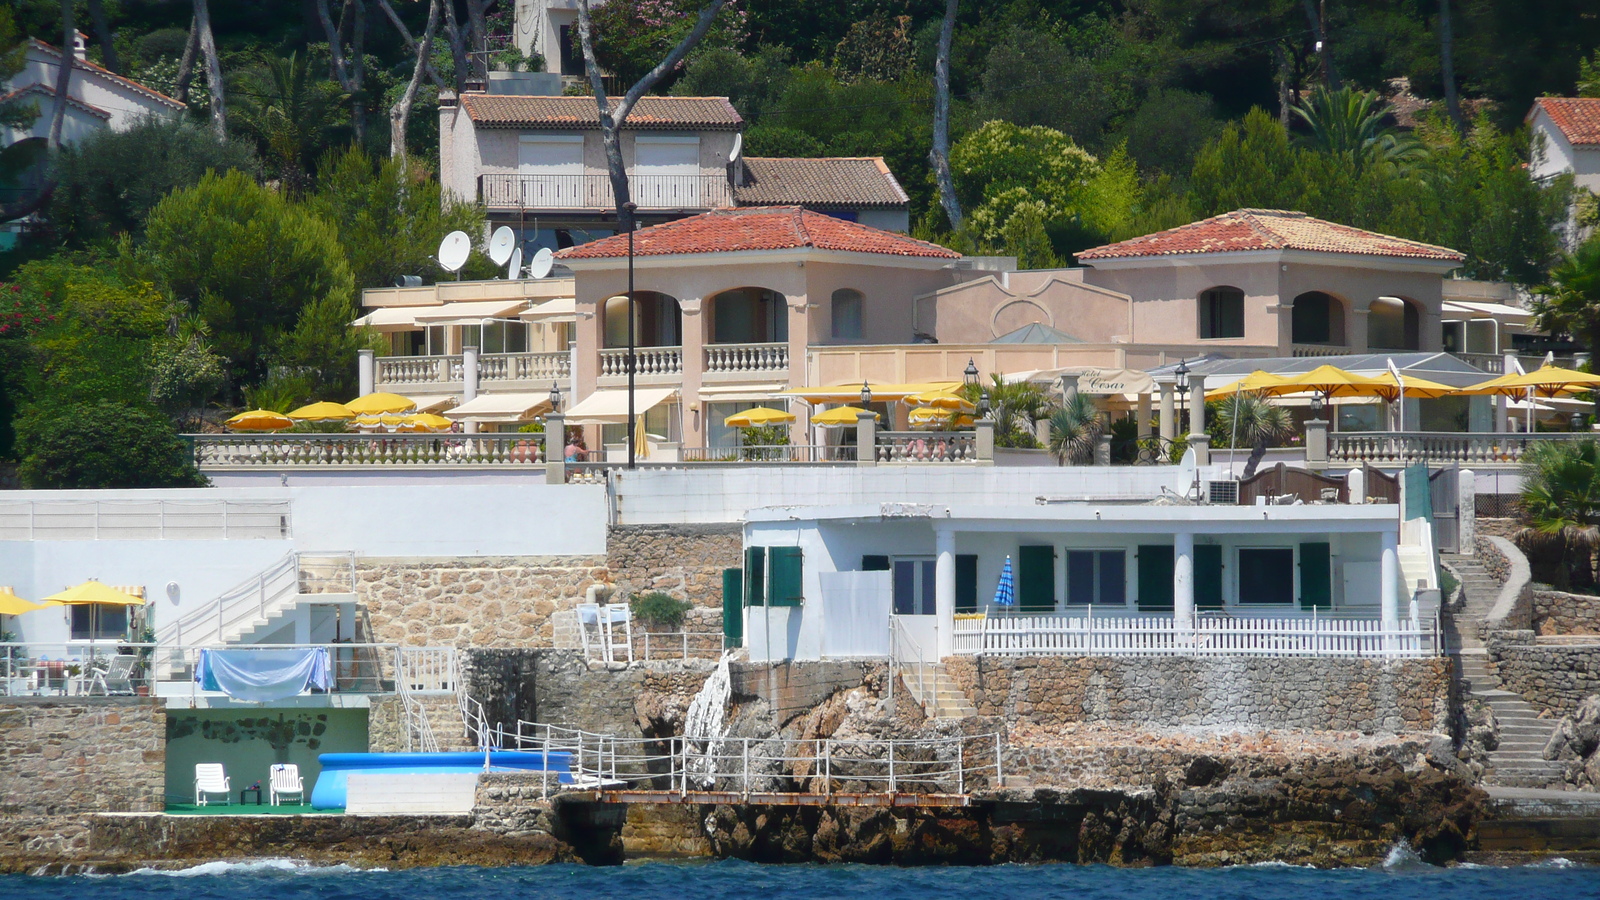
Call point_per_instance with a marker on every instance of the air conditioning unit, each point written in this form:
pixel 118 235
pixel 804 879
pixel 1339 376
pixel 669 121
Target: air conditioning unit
pixel 1222 493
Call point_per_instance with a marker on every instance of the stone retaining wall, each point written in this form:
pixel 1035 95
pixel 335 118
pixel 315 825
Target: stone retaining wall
pixel 76 754
pixel 480 602
pixel 1499 527
pixel 685 561
pixel 559 687
pixel 1549 676
pixel 1489 556
pixel 1557 612
pixel 1370 696
pixel 793 689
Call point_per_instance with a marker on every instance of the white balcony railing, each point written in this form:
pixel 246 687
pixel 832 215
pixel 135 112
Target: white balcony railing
pixel 1091 635
pixel 492 367
pixel 754 359
pixel 1478 448
pixel 283 451
pixel 909 447
pixel 648 361
pixel 593 191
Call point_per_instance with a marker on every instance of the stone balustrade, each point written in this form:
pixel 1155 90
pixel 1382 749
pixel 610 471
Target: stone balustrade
pixel 279 451
pixel 398 371
pixel 1472 449
pixel 910 447
pixel 753 358
pixel 648 361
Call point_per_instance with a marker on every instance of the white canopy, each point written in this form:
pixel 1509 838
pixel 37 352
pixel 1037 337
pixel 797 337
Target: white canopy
pixel 1484 308
pixel 500 408
pixel 561 309
pixel 393 318
pixel 469 312
pixel 433 402
pixel 716 393
pixel 1093 379
pixel 611 407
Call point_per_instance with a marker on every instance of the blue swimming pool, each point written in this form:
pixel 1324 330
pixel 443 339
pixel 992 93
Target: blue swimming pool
pixel 329 792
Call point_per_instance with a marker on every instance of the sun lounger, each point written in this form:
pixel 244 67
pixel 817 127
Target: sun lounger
pixel 209 778
pixel 285 782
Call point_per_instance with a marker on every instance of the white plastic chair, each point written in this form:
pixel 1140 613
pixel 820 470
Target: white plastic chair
pixel 616 626
pixel 209 778
pixel 589 618
pixel 285 781
pixel 118 678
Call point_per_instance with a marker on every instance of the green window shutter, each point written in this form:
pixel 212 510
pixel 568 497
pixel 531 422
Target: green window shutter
pixel 966 583
pixel 1207 576
pixel 785 582
pixel 874 563
pixel 733 606
pixel 1316 575
pixel 755 576
pixel 1036 578
pixel 1155 577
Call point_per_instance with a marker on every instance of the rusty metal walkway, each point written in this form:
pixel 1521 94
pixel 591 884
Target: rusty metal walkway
pixel 784 798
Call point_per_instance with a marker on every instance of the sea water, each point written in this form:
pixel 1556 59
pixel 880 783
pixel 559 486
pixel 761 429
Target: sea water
pixel 729 880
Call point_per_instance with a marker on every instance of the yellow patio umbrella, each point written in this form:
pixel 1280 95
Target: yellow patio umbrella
pixel 1546 381
pixel 641 441
pixel 94 592
pixel 941 400
pixel 380 420
pixel 929 416
pixel 1326 379
pixel 842 415
pixel 760 415
pixel 259 420
pixel 424 422
pixel 12 605
pixel 326 411
pixel 1255 381
pixel 381 402
pixel 1414 388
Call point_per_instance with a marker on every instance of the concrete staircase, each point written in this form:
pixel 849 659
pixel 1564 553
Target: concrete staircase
pixel 1518 761
pixel 938 693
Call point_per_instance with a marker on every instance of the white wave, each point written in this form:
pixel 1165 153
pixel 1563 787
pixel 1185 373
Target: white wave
pixel 1555 862
pixel 251 867
pixel 1401 856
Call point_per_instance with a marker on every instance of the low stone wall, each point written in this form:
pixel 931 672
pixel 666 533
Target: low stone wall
pixel 71 754
pixel 1369 696
pixel 1557 612
pixel 793 689
pixel 1489 556
pixel 685 561
pixel 1549 676
pixel 1505 527
pixel 559 687
pixel 480 602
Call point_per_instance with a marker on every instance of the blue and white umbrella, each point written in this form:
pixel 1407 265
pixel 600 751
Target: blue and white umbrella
pixel 1005 593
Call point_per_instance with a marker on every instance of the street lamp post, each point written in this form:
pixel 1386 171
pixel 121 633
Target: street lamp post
pixel 631 207
pixel 971 373
pixel 1181 381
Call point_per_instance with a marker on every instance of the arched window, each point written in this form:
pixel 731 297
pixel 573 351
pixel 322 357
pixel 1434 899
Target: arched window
pixel 847 314
pixel 657 321
pixel 1318 318
pixel 749 315
pixel 1222 313
pixel 1392 324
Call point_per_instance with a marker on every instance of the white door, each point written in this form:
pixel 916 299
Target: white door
pixel 666 172
pixel 551 166
pixel 855 614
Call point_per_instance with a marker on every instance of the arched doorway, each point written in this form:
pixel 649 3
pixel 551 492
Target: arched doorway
pixel 747 315
pixel 1318 319
pixel 657 321
pixel 1394 323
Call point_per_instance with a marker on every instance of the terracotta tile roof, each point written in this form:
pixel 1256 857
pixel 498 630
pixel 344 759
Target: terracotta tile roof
pixel 508 111
pixel 1267 229
pixel 837 182
pixel 1577 117
pixel 757 228
pixel 43 91
pixel 108 74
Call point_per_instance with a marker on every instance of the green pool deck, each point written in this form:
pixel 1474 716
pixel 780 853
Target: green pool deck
pixel 248 809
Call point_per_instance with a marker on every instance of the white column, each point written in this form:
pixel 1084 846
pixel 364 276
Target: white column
pixel 1168 424
pixel 1197 404
pixel 469 382
pixel 944 590
pixel 1141 416
pixel 1389 577
pixel 1183 580
pixel 366 371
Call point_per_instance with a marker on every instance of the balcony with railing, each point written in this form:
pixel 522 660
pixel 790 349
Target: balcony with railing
pixel 1442 448
pixel 734 362
pixel 650 363
pixel 593 191
pixel 399 373
pixel 234 452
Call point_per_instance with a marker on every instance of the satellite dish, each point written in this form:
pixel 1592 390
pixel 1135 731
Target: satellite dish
pixel 542 263
pixel 514 271
pixel 738 147
pixel 453 251
pixel 500 245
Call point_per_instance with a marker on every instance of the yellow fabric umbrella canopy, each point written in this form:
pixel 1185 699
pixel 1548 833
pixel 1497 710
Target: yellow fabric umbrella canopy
pixel 94 592
pixel 12 605
pixel 326 411
pixel 1330 380
pixel 1415 388
pixel 259 420
pixel 760 415
pixel 941 400
pixel 1256 381
pixel 424 422
pixel 843 415
pixel 930 417
pixel 379 403
pixel 1546 381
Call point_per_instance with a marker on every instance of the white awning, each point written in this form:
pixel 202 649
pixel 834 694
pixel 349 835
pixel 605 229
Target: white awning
pixel 433 402
pixel 393 318
pixel 501 408
pixel 470 312
pixel 611 407
pixel 561 309
pixel 1484 309
pixel 719 393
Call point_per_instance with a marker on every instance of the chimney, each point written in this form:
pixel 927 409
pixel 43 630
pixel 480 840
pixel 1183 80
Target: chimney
pixel 80 45
pixel 473 86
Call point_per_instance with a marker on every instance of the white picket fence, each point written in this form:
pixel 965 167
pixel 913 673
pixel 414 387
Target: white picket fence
pixel 1090 635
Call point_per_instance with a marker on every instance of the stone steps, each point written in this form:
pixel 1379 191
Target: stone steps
pixel 942 699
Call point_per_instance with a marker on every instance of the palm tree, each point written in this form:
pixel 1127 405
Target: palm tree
pixel 1561 503
pixel 1015 406
pixel 1074 428
pixel 1352 123
pixel 1570 302
pixel 289 115
pixel 1250 418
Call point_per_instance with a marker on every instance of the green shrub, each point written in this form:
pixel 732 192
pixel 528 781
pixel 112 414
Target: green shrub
pixel 660 610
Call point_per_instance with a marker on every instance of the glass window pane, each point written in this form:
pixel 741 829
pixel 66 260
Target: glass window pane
pixel 1080 576
pixel 1266 575
pixel 929 583
pixel 1113 577
pixel 905 578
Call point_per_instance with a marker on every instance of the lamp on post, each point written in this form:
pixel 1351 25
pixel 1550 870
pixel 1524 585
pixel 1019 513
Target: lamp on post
pixel 1316 405
pixel 971 373
pixel 1181 381
pixel 555 396
pixel 866 394
pixel 983 404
